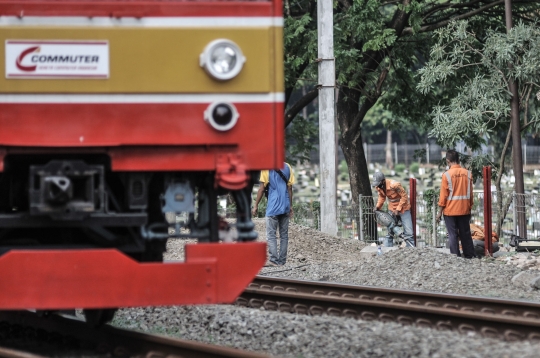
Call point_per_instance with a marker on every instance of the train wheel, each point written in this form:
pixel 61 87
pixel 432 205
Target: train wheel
pixel 99 317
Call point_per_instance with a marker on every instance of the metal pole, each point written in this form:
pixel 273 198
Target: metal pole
pixel 488 245
pixel 365 152
pixel 514 212
pixel 395 152
pixel 412 198
pixel 434 218
pixel 327 84
pixel 517 155
pixel 406 154
pixel 361 219
pixel 427 153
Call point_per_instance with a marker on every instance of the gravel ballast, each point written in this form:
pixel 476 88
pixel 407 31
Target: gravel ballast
pixel 290 335
pixel 316 256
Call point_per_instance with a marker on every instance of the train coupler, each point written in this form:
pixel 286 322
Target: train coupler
pixel 231 172
pixel 67 189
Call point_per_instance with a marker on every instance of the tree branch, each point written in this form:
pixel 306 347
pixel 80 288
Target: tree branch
pixel 502 158
pixel 346 4
pixel 299 105
pixel 446 6
pixel 409 30
pixel 389 3
pixel 369 102
pixel 289 90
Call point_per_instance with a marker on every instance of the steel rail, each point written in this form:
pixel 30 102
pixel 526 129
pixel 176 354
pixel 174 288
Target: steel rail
pixel 13 353
pixel 128 343
pixel 489 317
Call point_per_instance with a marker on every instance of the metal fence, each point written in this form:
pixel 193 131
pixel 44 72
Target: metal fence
pixel 431 153
pixel 506 207
pixel 358 221
pixel 305 214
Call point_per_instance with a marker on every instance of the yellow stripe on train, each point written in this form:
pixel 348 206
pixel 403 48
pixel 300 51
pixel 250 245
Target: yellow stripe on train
pixel 157 60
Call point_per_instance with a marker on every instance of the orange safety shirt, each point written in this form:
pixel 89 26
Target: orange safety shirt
pixel 456 191
pixel 398 199
pixel 477 233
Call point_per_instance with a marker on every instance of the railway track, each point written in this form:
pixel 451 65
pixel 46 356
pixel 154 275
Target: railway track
pixel 496 318
pixel 30 335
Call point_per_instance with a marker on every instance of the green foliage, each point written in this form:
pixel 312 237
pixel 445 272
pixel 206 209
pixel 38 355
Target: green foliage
pixel 377 61
pixel 300 41
pixel 481 107
pixel 379 119
pixel 343 168
pixel 420 154
pixel 301 136
pixel 413 168
pixel 381 40
pixel 476 164
pixel 430 196
pixel 399 168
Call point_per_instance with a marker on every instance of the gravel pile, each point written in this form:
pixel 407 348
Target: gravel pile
pixel 522 260
pixel 305 246
pixel 309 246
pixel 315 256
pixel 420 269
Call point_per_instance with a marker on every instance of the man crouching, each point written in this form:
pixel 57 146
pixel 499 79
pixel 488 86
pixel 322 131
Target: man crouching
pixel 398 204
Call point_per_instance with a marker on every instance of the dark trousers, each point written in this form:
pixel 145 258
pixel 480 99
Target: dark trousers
pixel 459 230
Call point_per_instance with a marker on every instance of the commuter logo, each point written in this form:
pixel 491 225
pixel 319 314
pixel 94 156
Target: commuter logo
pixel 20 66
pixel 57 59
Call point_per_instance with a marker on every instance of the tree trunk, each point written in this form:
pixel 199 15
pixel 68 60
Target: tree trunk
pixel 389 160
pixel 502 208
pixel 351 143
pixel 353 150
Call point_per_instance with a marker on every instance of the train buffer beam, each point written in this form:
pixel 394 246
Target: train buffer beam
pixel 106 278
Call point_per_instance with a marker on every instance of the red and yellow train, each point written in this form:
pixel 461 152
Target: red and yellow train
pixel 114 112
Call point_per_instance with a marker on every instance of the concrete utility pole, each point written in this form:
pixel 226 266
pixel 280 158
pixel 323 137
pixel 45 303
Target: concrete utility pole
pixel 327 141
pixel 517 155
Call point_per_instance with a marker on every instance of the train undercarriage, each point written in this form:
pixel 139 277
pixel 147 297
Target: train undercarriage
pixel 78 202
pixel 69 207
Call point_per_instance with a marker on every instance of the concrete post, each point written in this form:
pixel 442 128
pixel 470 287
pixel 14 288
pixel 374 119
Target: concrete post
pixel 327 146
pixel 395 152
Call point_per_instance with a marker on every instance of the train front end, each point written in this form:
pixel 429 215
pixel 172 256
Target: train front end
pixel 115 113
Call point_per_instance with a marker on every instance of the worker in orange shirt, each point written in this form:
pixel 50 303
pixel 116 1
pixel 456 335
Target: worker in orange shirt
pixel 398 204
pixel 455 201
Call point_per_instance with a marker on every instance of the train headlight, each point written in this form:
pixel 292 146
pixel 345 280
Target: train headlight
pixel 221 116
pixel 222 59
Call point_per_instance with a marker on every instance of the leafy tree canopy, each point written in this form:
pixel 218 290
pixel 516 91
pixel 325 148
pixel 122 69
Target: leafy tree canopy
pixel 483 64
pixel 379 46
pixel 481 106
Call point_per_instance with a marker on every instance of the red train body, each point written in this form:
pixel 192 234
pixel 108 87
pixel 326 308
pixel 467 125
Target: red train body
pixel 113 113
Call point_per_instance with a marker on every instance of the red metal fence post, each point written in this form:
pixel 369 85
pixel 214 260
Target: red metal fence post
pixel 488 246
pixel 412 198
